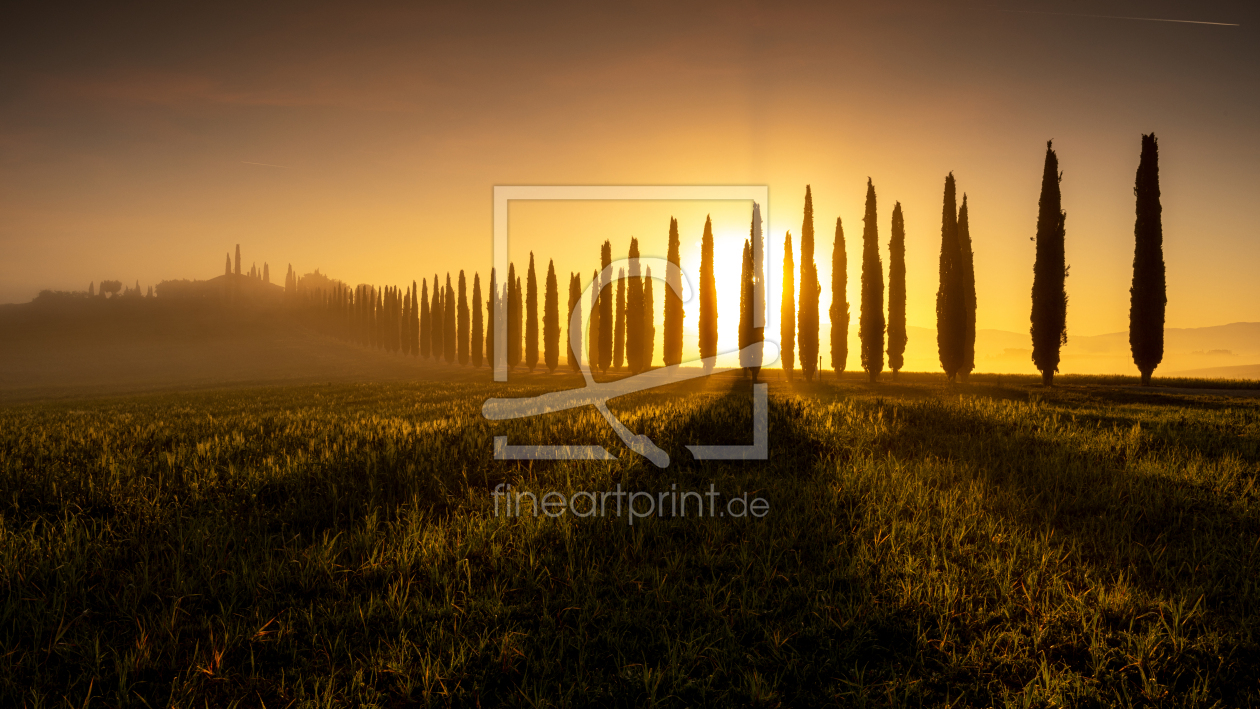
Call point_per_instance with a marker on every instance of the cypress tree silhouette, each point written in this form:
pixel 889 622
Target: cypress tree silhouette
pixel 673 335
pixel 897 337
pixel 531 316
pixel 227 270
pixel 519 294
pixel 807 308
pixel 415 321
pixel 593 352
pixel 839 311
pixel 605 312
pixel 634 311
pixel 406 323
pixel 424 334
pixel 551 320
pixel 1049 296
pixel 950 320
pixel 449 336
pixel 575 303
pixel 967 274
pixel 266 273
pixel 492 306
pixel 1148 296
pixel 380 319
pixel 745 306
pixel 463 334
pixel 513 345
pixel 708 297
pixel 757 252
pixel 436 315
pixel 478 332
pixel 787 310
pixel 238 260
pixel 649 323
pixel 871 326
pixel 619 327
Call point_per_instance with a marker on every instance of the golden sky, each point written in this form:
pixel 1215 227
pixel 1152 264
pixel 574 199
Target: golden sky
pixel 144 142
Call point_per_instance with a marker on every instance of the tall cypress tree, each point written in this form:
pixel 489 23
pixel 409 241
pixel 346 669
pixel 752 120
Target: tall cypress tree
pixel 477 324
pixel 649 322
pixel 950 320
pixel 746 307
pixel 1049 295
pixel 513 345
pixel 594 351
pixel 807 309
pixel 634 311
pixel 605 312
pixel 708 297
pixel 406 322
pixel 450 337
pixel 227 269
pixel 619 321
pixel 531 316
pixel 551 320
pixel 575 304
pixel 492 306
pixel 238 260
pixel 1148 296
pixel 871 325
pixel 415 320
pixel 839 311
pixel 426 333
pixel 436 316
pixel 967 274
pixel 463 334
pixel 787 310
pixel 673 335
pixel 897 337
pixel 520 317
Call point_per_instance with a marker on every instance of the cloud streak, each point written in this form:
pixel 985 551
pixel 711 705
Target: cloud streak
pixel 1121 17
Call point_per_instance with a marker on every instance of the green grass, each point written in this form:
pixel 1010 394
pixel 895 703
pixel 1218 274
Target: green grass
pixel 995 544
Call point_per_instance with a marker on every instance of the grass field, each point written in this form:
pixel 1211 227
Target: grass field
pixel 994 544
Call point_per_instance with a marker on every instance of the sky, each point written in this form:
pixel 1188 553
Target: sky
pixel 143 142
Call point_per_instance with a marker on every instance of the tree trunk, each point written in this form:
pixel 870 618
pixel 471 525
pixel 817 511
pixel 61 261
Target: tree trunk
pixel 1146 377
pixel 1047 379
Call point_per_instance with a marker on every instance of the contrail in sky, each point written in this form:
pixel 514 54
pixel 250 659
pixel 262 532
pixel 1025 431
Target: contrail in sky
pixel 265 164
pixel 1122 17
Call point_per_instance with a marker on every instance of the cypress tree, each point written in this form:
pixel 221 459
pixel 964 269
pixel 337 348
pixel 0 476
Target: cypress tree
pixel 871 326
pixel 575 306
pixel 745 307
pixel 519 294
pixel 950 316
pixel 1148 296
pixel 634 312
pixel 436 327
pixel 531 316
pixel 619 326
pixel 406 323
pixel 380 319
pixel 593 352
pixel 673 335
pixel 513 345
pixel 807 309
pixel 463 334
pixel 649 322
pixel 227 269
pixel 450 335
pixel 477 324
pixel 839 311
pixel 551 320
pixel 413 324
pixel 491 308
pixel 787 310
pixel 708 297
pixel 1049 296
pixel 237 271
pixel 967 273
pixel 897 337
pixel 605 312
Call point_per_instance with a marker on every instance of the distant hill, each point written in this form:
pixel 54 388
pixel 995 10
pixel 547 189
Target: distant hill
pixel 1233 350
